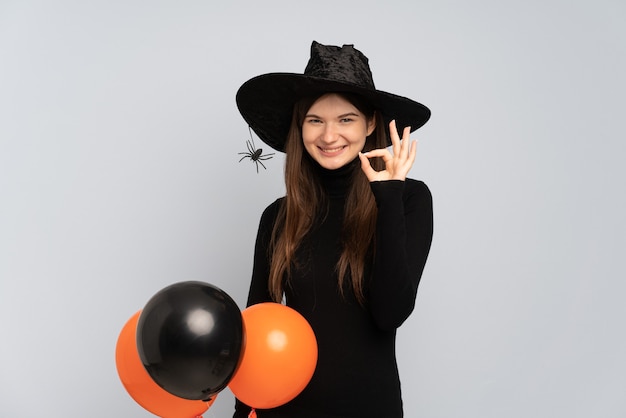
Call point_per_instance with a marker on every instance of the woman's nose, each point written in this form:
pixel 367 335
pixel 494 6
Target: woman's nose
pixel 330 133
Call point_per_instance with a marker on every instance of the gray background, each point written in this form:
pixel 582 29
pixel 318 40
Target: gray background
pixel 119 175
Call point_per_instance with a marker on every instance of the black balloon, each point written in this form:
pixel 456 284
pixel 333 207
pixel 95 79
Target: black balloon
pixel 190 338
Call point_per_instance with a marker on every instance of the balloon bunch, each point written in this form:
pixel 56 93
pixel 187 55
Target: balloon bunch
pixel 191 341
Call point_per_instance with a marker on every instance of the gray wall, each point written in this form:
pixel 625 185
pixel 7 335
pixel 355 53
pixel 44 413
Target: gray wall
pixel 119 175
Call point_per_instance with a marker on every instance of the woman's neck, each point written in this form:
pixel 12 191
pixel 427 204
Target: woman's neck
pixel 336 183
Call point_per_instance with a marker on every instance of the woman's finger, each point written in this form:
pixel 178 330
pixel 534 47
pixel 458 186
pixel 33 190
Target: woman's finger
pixel 367 168
pixel 395 139
pixel 406 142
pixel 413 152
pixel 404 166
pixel 382 153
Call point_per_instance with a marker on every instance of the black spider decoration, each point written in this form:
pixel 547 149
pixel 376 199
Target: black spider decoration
pixel 255 155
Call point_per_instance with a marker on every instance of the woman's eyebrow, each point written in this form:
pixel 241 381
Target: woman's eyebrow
pixel 313 115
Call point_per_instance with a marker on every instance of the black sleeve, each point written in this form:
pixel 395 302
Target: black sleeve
pixel 241 410
pixel 259 291
pixel 404 232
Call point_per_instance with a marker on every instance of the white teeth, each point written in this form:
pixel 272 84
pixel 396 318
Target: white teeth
pixel 331 149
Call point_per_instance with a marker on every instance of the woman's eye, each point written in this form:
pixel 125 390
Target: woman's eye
pixel 346 120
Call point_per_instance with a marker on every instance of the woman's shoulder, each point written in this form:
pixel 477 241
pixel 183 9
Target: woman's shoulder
pixel 271 211
pixel 275 205
pixel 269 216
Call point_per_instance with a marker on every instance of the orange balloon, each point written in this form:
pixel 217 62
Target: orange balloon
pixel 140 385
pixel 279 356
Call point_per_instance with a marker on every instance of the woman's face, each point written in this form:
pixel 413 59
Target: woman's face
pixel 334 131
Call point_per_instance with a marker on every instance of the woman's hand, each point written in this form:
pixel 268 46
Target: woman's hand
pixel 398 164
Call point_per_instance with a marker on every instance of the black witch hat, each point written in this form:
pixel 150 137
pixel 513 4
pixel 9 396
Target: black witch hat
pixel 266 101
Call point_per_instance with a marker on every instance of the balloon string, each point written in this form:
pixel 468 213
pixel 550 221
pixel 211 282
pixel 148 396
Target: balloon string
pixel 252 413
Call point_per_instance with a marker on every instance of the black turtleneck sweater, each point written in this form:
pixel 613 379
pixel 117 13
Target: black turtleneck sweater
pixel 356 373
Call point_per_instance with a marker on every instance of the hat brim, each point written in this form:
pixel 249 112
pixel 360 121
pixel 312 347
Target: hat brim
pixel 266 104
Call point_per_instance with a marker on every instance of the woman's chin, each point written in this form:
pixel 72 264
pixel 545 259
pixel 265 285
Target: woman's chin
pixel 334 162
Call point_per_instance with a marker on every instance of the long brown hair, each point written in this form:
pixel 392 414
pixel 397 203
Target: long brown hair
pixel 305 199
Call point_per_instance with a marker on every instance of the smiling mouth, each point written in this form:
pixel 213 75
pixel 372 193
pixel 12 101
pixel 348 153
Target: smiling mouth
pixel 332 150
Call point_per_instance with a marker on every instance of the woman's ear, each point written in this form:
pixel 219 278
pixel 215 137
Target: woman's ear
pixel 371 125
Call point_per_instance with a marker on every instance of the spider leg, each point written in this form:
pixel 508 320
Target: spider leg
pixel 245 156
pixel 251 147
pixel 264 157
pixel 259 161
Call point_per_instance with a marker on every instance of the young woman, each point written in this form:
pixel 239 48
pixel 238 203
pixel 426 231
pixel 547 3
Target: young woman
pixel 347 245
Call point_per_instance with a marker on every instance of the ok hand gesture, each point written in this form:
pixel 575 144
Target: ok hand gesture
pixel 398 164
